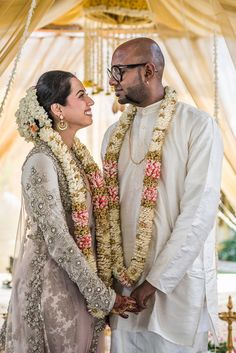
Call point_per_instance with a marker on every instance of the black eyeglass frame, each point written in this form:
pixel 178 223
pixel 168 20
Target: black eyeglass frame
pixel 120 73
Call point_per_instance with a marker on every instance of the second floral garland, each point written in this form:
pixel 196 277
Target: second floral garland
pixel 129 276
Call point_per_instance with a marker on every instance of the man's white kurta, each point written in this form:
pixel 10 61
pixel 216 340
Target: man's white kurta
pixel 181 259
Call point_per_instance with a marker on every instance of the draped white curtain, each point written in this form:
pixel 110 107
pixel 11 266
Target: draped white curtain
pixel 189 68
pixel 193 19
pixel 13 17
pixel 49 52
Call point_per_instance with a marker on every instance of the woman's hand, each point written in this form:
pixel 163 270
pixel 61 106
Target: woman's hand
pixel 123 304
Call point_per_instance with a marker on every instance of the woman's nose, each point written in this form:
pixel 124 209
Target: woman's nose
pixel 90 101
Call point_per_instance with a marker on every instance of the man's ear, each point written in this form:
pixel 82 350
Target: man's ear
pixel 149 70
pixel 56 109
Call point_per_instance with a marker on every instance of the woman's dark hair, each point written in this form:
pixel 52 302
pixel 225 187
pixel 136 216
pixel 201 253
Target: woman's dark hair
pixel 53 87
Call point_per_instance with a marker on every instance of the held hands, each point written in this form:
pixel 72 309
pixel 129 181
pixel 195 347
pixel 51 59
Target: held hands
pixel 136 302
pixel 123 304
pixel 142 293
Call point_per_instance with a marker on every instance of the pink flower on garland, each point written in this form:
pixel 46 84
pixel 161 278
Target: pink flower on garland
pixel 96 179
pixel 101 201
pixel 150 194
pixel 113 193
pixel 80 217
pixel 85 242
pixel 153 169
pixel 110 169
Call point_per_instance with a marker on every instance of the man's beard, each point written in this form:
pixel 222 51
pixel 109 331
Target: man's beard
pixel 133 96
pixel 128 99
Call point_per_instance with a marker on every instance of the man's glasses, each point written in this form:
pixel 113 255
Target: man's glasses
pixel 116 71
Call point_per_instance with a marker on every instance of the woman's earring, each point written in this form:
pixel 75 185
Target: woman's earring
pixel 62 124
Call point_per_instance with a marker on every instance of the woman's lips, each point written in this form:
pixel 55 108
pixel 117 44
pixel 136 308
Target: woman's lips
pixel 88 112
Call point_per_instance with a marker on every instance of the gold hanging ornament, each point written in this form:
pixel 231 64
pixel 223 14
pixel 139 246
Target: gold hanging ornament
pixel 108 47
pixel 103 34
pixel 87 56
pixel 116 12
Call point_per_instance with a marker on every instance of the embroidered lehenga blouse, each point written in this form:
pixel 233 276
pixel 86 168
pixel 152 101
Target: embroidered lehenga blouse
pixel 52 282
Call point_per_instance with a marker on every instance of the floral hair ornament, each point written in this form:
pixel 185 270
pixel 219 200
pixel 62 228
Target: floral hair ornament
pixel 31 117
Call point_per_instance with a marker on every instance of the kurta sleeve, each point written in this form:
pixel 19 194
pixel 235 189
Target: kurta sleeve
pixel 42 197
pixel 198 206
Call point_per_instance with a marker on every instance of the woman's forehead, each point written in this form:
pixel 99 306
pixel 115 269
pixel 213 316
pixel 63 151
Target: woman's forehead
pixel 76 84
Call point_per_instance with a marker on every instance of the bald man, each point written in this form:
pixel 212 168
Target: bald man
pixel 176 289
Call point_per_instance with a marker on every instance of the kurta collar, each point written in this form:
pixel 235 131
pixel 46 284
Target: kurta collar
pixel 150 109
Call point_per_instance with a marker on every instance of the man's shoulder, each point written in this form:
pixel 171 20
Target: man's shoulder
pixel 110 129
pixel 195 122
pixel 192 115
pixel 106 138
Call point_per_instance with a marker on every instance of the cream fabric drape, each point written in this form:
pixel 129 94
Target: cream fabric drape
pixel 173 18
pixel 226 20
pixel 189 68
pixel 62 52
pixel 70 16
pixel 200 17
pixel 189 18
pixel 13 15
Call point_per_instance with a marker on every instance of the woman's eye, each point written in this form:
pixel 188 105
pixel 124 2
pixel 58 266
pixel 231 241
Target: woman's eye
pixel 82 94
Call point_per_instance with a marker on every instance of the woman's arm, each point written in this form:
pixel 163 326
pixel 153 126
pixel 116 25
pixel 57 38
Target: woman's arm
pixel 42 196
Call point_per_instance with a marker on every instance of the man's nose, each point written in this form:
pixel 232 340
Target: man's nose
pixel 112 81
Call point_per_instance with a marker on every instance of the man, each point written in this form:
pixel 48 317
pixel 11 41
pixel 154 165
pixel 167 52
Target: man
pixel 162 165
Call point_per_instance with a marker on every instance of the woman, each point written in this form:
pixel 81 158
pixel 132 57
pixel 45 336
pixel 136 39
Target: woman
pixel 61 290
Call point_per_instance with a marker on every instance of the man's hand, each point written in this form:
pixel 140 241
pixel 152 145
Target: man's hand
pixel 142 293
pixel 123 304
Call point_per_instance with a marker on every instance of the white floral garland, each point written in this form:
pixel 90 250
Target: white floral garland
pixel 129 276
pixel 34 125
